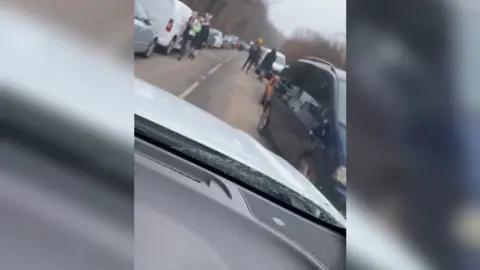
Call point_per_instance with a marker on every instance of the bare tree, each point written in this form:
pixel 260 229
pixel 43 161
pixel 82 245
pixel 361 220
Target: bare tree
pixel 305 42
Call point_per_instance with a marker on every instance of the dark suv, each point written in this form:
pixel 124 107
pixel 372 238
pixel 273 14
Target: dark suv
pixel 304 119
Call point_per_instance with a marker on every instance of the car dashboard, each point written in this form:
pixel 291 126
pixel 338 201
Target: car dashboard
pixel 187 217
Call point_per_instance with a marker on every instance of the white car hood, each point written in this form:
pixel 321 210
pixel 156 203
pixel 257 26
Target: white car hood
pixel 171 112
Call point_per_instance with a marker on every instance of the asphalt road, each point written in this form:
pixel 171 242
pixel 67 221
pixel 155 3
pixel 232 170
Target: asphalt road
pixel 213 82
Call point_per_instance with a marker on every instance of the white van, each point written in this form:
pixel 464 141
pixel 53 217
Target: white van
pixel 169 18
pixel 181 15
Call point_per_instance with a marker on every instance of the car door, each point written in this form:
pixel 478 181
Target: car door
pixel 285 106
pixel 322 132
pixel 143 33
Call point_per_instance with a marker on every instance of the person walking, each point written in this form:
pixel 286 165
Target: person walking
pixel 205 32
pixel 253 56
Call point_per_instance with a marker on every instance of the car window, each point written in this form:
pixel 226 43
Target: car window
pixel 298 73
pixel 139 11
pixel 318 86
pixel 299 80
pixel 292 80
pixel 314 97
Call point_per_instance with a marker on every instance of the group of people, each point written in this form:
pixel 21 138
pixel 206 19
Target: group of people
pixel 195 35
pixel 254 56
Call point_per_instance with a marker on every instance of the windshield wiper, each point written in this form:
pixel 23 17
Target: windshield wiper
pixel 176 164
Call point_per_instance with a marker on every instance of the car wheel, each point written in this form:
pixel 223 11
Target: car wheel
pixel 151 47
pixel 264 121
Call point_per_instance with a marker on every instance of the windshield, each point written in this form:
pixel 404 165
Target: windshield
pixel 233 168
pixel 280 59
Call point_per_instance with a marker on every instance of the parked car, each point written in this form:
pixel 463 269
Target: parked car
pixel 169 19
pixel 240 46
pixel 145 37
pixel 305 119
pixel 245 46
pixel 229 42
pixel 215 39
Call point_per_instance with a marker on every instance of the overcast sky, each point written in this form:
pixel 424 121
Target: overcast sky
pixel 326 16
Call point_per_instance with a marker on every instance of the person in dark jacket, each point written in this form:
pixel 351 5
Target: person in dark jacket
pixel 204 33
pixel 267 64
pixel 199 38
pixel 192 28
pixel 270 58
pixel 253 57
pixel 186 37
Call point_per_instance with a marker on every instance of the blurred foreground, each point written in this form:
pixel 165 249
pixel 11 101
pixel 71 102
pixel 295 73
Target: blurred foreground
pixel 413 140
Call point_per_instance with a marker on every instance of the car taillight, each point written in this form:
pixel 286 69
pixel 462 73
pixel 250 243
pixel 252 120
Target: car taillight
pixel 169 25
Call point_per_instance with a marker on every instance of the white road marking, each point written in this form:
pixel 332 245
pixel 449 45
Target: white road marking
pixel 189 90
pixel 196 84
pixel 230 58
pixel 214 69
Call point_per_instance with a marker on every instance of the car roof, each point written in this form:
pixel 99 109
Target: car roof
pixel 319 65
pixel 340 73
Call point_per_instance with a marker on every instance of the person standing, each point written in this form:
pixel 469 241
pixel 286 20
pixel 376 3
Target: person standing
pixel 202 36
pixel 197 41
pixel 267 64
pixel 193 27
pixel 253 56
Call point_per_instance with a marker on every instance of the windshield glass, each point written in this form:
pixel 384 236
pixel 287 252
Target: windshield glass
pixel 237 169
pixel 280 59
